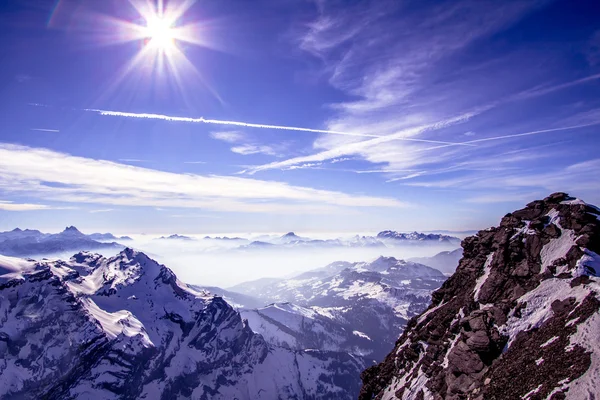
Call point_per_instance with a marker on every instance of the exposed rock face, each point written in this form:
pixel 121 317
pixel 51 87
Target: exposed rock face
pixel 518 320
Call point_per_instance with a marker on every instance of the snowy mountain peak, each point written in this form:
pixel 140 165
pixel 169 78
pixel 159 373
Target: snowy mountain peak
pixel 524 300
pixel 72 230
pixel 382 263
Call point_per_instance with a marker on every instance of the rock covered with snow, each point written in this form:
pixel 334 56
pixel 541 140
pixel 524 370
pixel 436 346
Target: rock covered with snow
pixel 125 327
pixel 374 298
pixel 519 319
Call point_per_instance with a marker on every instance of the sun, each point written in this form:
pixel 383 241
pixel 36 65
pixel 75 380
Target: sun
pixel 165 32
pixel 160 33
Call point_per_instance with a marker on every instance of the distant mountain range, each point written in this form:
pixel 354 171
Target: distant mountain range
pixel 27 243
pixel 107 236
pixel 364 302
pixel 384 239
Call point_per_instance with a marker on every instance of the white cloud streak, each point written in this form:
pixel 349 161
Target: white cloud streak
pixel 564 128
pixel 363 147
pixel 542 90
pixel 251 125
pixel 50 175
pixel 7 206
pixel 228 136
pixel 45 130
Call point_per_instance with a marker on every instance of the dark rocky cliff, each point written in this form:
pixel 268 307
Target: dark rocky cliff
pixel 518 320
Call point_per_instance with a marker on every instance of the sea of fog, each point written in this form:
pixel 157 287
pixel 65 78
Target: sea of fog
pixel 222 263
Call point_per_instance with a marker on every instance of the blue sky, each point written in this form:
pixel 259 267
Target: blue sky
pixel 440 115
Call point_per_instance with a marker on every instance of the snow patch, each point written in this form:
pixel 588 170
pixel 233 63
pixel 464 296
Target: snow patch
pixel 453 343
pixel 539 306
pixel 588 264
pixel 557 248
pixel 120 322
pixel 549 341
pixel 486 273
pixel 361 334
pixel 587 336
pixel 528 395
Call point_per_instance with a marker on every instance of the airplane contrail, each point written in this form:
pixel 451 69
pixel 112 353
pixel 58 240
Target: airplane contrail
pixel 564 128
pixel 251 125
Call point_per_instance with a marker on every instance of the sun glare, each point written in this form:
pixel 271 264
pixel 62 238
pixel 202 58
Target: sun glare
pixel 160 33
pixel 165 36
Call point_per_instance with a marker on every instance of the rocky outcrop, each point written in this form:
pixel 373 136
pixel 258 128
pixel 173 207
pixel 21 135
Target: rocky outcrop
pixel 517 320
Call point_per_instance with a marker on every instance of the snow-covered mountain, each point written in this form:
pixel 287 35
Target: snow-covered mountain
pixel 107 236
pixel 18 233
pixel 375 299
pixel 125 327
pixel 416 237
pixel 445 261
pixel 25 243
pixel 300 328
pixel 519 319
pixel 343 282
pixel 225 238
pixel 175 236
pixel 385 239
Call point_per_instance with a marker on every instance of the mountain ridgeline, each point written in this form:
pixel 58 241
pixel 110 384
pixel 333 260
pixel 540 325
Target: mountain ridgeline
pixel 519 319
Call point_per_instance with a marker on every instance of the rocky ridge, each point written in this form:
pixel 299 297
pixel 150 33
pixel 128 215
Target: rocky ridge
pixel 519 319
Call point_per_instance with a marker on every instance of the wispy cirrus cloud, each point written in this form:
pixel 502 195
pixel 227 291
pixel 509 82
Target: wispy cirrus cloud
pixel 6 205
pixel 209 216
pixel 133 160
pixel 415 72
pixel 42 173
pixel 45 130
pixel 245 145
pixel 10 206
pixel 229 136
pixel 384 55
pixel 579 177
